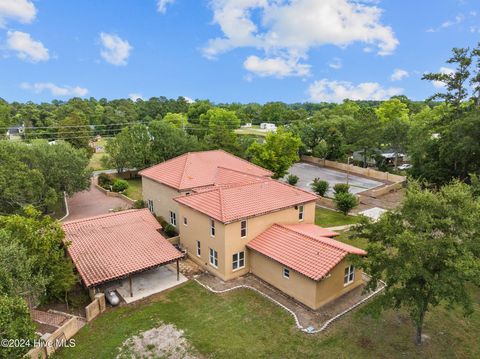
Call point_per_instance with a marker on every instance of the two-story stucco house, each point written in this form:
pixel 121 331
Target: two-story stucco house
pixel 182 174
pixel 245 222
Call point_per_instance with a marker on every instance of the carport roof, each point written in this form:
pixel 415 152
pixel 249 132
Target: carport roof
pixel 116 245
pixel 303 248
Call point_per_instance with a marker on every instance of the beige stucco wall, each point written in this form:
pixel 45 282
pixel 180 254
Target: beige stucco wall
pixel 333 287
pixel 227 239
pixel 162 197
pixel 297 286
pixel 312 293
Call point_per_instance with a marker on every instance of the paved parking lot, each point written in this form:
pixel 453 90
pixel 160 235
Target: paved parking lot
pixel 307 173
pixel 93 203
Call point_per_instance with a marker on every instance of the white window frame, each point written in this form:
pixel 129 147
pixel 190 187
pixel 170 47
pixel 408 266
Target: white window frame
pixel 243 229
pixel 150 205
pixel 185 221
pixel 199 249
pixel 286 272
pixel 238 262
pixel 173 218
pixel 301 212
pixel 349 275
pixel 212 228
pixel 213 258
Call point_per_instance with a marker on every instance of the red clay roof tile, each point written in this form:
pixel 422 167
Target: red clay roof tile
pixel 112 246
pixel 300 248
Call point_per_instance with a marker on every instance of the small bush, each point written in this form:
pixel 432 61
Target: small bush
pixel 292 179
pixel 341 188
pixel 345 201
pixel 138 204
pixel 320 187
pixel 169 230
pixel 162 221
pixel 119 185
pixel 105 180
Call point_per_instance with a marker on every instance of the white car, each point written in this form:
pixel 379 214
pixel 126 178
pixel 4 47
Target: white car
pixel 405 166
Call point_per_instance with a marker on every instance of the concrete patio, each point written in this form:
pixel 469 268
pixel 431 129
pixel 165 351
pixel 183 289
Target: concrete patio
pixel 148 283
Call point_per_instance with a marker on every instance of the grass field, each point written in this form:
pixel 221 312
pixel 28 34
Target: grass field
pixel 328 218
pixel 134 190
pixel 243 324
pixel 95 161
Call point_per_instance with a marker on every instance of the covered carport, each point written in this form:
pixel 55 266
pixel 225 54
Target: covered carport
pixel 123 251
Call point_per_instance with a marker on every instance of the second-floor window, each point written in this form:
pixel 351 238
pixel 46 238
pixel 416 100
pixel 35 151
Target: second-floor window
pixel 185 221
pixel 173 218
pixel 300 213
pixel 286 273
pixel 212 228
pixel 243 229
pixel 150 205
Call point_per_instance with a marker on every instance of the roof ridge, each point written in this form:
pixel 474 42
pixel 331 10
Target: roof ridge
pixel 244 160
pixel 187 155
pixel 112 214
pixel 238 171
pixel 161 163
pixel 325 240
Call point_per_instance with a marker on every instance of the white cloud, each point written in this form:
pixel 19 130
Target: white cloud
pixel 458 19
pixel 162 5
pixel 55 90
pixel 336 63
pixel 135 96
pixel 446 71
pixel 289 29
pixel 277 67
pixel 399 74
pixel 189 99
pixel 20 10
pixel 115 50
pixel 336 91
pixel 26 48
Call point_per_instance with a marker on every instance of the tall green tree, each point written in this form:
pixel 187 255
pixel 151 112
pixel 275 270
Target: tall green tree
pixel 426 251
pixel 15 323
pixel 74 128
pixel 176 119
pixel 220 125
pixel 278 153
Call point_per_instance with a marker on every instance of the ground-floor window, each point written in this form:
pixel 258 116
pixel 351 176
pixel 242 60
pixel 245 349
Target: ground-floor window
pixel 150 205
pixel 238 260
pixel 199 249
pixel 173 218
pixel 349 276
pixel 286 273
pixel 214 258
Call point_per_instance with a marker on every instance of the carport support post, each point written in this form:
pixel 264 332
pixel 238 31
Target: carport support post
pixel 178 271
pixel 131 287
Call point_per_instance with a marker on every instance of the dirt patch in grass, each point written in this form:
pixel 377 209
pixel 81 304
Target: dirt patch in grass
pixel 165 341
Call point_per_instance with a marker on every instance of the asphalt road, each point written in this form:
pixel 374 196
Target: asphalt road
pixel 307 173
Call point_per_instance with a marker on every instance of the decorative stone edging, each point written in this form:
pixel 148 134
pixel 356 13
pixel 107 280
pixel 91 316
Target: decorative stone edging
pixel 308 330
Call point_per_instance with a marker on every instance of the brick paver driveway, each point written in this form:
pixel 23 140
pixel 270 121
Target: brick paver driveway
pixel 92 203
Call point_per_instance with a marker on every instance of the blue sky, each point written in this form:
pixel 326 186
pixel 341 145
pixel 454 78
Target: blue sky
pixel 229 50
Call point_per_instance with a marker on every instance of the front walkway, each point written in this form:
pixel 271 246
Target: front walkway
pixel 93 203
pixel 308 320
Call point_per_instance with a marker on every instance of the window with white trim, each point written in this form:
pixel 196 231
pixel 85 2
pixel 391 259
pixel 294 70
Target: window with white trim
pixel 199 249
pixel 185 221
pixel 238 260
pixel 301 213
pixel 286 273
pixel 213 258
pixel 212 228
pixel 173 218
pixel 349 276
pixel 243 229
pixel 150 205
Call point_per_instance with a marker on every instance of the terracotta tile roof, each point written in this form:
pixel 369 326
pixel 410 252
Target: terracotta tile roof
pixel 199 169
pixel 311 255
pixel 112 246
pixel 231 203
pixel 311 230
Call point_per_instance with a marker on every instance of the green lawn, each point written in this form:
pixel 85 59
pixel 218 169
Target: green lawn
pixel 329 218
pixel 243 324
pixel 134 190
